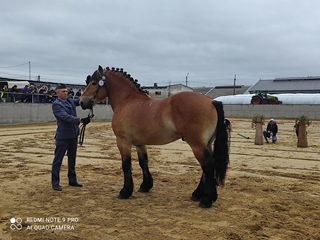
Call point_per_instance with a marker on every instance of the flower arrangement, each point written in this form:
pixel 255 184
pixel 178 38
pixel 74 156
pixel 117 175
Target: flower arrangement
pixel 255 120
pixel 303 119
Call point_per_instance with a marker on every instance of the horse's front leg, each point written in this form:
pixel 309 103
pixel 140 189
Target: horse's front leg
pixel 147 182
pixel 125 151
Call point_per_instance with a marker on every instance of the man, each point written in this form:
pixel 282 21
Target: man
pixel 35 95
pixel 51 97
pixel 12 94
pixel 24 96
pixel 31 92
pixel 272 128
pixel 3 94
pixel 66 136
pixel 70 93
pixel 42 92
pixel 78 94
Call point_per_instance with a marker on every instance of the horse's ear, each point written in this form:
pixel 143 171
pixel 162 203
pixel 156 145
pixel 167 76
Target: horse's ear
pixel 100 70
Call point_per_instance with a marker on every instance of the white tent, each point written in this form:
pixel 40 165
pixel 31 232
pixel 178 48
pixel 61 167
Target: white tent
pixel 20 84
pixel 289 98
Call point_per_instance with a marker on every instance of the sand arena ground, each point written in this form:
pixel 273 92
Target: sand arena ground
pixel 272 191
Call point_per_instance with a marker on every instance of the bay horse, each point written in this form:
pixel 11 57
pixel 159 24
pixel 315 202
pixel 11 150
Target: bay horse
pixel 139 120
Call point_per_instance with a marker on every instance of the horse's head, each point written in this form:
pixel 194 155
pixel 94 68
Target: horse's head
pixel 96 90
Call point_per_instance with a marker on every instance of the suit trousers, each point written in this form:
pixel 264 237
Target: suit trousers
pixel 63 145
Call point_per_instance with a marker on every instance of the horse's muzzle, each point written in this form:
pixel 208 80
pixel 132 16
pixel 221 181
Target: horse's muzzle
pixel 86 103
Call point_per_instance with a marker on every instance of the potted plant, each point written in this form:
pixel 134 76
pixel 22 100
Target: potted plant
pixel 256 123
pixel 301 123
pixel 257 118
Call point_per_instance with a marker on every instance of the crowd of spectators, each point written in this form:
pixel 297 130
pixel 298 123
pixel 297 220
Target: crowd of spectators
pixel 33 94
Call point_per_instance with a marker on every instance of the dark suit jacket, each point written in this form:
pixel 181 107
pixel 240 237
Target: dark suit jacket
pixel 67 120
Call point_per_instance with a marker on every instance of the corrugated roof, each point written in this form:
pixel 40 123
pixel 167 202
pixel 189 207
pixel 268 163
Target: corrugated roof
pixel 202 90
pixel 288 85
pixel 221 90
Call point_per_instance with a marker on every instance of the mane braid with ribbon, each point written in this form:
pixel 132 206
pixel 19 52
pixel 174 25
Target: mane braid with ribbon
pixel 129 78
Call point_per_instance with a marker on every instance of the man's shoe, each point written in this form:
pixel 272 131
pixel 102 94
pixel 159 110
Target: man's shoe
pixel 267 141
pixel 57 187
pixel 75 184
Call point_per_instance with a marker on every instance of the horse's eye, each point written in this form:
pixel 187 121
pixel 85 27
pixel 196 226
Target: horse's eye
pixel 94 83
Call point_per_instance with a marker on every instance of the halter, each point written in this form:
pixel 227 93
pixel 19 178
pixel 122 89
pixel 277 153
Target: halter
pixel 102 82
pixel 91 115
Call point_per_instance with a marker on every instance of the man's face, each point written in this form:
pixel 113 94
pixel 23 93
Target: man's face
pixel 62 93
pixel 272 122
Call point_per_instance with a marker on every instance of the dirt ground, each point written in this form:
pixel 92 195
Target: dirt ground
pixel 272 191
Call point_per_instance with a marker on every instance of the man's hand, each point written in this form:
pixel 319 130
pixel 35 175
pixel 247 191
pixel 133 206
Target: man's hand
pixel 85 120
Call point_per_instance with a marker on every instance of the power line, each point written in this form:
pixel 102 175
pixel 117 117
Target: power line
pixel 16 65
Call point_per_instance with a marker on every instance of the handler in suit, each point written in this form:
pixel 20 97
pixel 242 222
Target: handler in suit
pixel 66 136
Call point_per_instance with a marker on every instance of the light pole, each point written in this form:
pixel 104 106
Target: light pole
pixel 234 85
pixel 187 79
pixel 29 70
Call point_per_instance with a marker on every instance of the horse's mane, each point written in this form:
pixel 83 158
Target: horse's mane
pixel 129 78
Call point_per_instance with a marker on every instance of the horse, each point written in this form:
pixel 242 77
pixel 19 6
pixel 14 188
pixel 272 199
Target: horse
pixel 139 120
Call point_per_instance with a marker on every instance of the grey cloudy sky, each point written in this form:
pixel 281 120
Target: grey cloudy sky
pixel 161 41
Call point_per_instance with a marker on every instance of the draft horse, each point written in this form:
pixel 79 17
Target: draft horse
pixel 139 120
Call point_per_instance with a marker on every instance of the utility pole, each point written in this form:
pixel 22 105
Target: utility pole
pixel 29 70
pixel 187 79
pixel 234 84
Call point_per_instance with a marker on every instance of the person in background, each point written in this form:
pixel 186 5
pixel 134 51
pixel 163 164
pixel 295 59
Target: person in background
pixel 51 97
pixel 31 92
pixel 3 94
pixel 64 109
pixel 12 94
pixel 78 94
pixel 71 93
pixel 42 97
pixel 25 91
pixel 35 96
pixel 272 130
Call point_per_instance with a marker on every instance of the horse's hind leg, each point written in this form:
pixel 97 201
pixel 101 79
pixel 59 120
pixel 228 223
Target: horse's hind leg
pixel 198 193
pixel 147 182
pixel 206 191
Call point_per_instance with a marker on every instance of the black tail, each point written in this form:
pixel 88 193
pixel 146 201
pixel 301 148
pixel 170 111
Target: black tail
pixel 221 144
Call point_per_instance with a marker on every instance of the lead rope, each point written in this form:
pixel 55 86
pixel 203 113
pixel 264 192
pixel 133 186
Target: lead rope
pixel 83 127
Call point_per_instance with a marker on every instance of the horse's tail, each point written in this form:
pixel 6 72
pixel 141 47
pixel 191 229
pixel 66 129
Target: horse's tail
pixel 221 144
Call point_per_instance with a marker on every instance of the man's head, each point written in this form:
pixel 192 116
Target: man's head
pixel 272 121
pixel 5 86
pixel 26 86
pixel 61 91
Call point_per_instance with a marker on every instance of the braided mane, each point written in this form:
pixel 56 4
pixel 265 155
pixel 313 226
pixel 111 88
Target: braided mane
pixel 129 78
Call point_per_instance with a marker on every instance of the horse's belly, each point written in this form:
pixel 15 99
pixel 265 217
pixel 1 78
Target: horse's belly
pixel 155 139
pixel 153 134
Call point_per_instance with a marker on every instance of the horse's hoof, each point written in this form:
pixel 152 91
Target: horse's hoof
pixel 195 198
pixel 143 190
pixel 120 196
pixel 204 205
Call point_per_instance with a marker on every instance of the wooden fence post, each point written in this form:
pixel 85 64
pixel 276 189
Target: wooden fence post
pixel 302 136
pixel 258 140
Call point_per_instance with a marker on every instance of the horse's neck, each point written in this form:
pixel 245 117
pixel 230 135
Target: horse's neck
pixel 121 91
